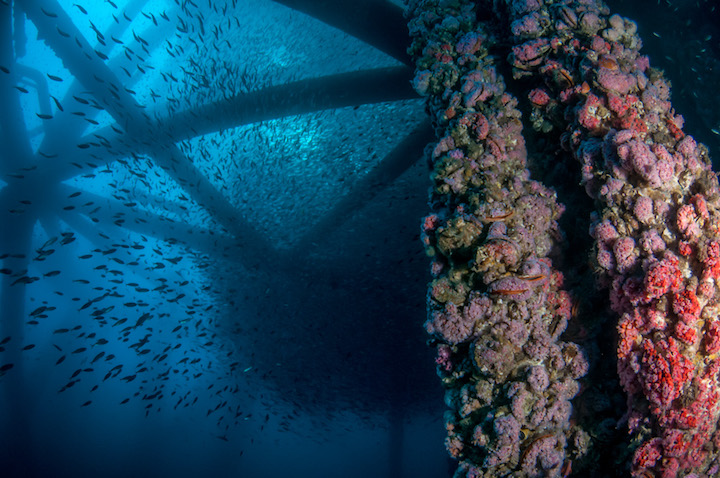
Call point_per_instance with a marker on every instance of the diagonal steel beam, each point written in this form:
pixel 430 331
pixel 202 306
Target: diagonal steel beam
pixel 383 174
pixel 177 165
pixel 84 62
pixel 71 126
pixel 94 74
pixel 376 22
pixel 91 232
pixel 214 244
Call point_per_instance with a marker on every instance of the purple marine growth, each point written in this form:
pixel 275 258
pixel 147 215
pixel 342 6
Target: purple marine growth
pixel 497 309
pixel 496 303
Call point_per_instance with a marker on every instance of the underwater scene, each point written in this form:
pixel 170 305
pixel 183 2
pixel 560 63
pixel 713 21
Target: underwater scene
pixel 359 238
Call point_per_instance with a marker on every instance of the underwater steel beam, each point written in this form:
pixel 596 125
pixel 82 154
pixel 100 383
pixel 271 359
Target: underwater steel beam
pixel 71 125
pixel 376 22
pixel 16 150
pixel 86 64
pixel 90 230
pixel 399 160
pixel 296 98
pixel 301 97
pixel 94 74
pixel 15 435
pixel 202 240
pixel 71 160
pixel 40 83
pixel 202 191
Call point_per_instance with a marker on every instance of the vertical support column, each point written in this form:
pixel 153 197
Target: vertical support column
pixel 14 387
pixel 657 231
pixel 496 306
pixel 15 232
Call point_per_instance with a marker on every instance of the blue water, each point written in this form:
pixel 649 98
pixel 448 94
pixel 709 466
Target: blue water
pixel 209 236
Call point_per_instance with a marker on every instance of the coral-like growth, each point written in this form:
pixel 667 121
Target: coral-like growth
pixel 496 306
pixel 657 234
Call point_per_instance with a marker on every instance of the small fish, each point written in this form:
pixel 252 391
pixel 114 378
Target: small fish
pixel 54 78
pixel 80 8
pixel 25 280
pixel 60 360
pixel 20 89
pixel 57 103
pixel 29 347
pixel 49 14
pixel 80 350
pixel 43 116
pixel 86 403
pixel 38 311
pixel 51 274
